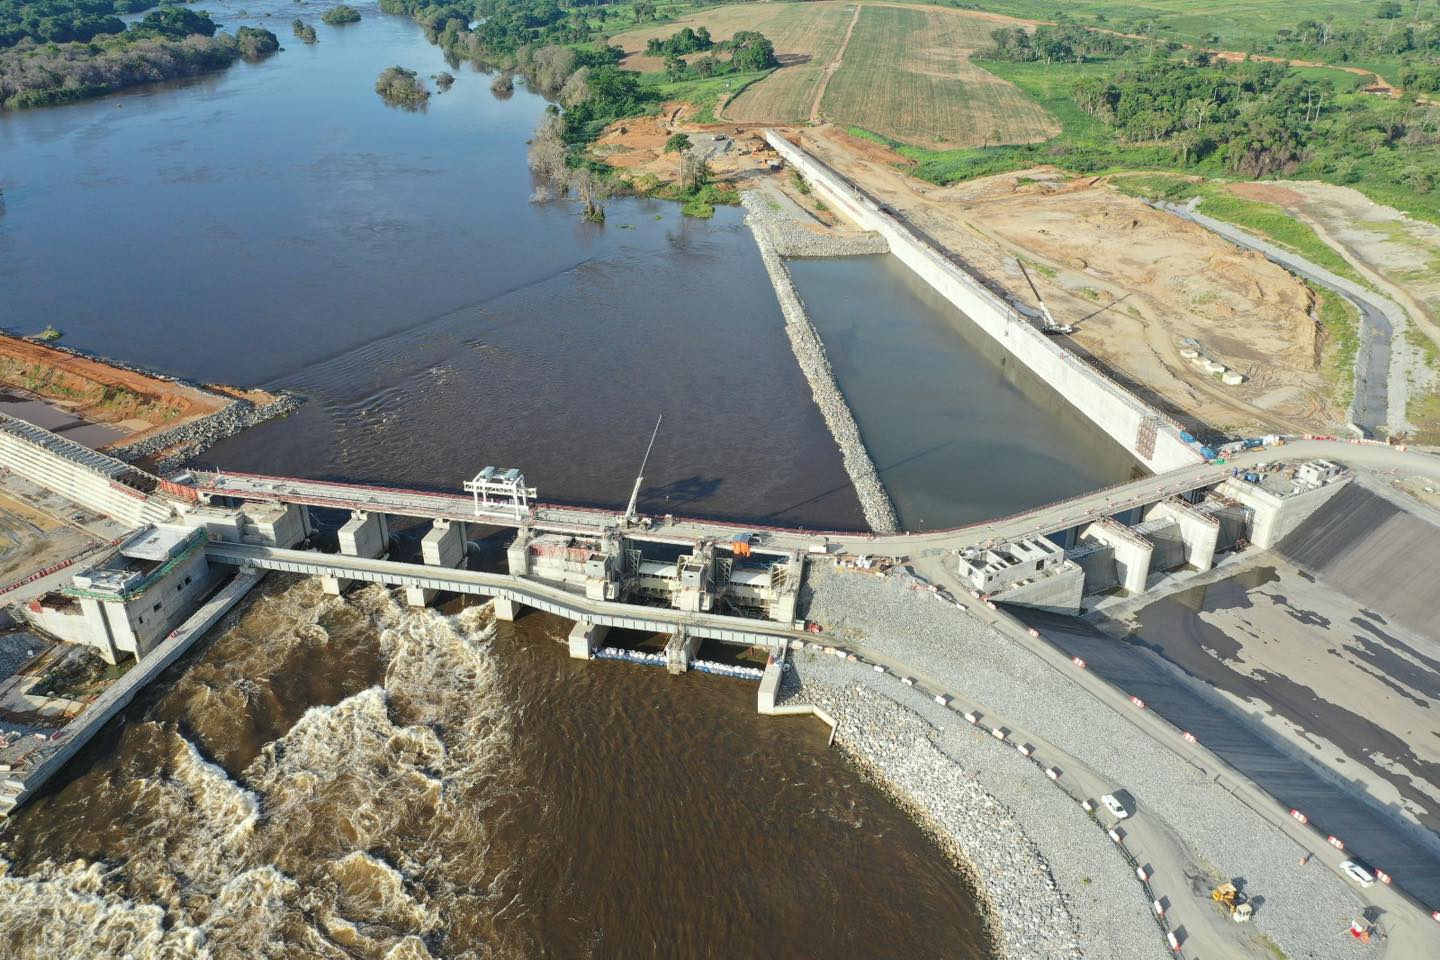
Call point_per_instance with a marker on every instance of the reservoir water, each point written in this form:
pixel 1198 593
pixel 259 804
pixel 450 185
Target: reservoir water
pixel 349 776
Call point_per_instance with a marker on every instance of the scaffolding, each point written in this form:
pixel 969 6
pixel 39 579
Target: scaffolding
pixel 496 489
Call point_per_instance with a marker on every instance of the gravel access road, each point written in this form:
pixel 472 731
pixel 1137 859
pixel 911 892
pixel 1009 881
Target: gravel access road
pixel 1198 822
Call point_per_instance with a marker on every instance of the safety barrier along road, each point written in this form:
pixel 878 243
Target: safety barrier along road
pixel 1007 737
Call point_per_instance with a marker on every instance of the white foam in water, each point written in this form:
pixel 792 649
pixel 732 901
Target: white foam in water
pixel 232 808
pixel 353 834
pixel 75 910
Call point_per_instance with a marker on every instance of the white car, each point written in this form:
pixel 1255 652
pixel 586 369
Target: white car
pixel 1358 873
pixel 1116 808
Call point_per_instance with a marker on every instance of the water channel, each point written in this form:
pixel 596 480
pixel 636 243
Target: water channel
pixel 959 430
pixel 346 772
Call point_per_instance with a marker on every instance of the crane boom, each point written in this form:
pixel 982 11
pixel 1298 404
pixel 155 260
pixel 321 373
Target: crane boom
pixel 640 477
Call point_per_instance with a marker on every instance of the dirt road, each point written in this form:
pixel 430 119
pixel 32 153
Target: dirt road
pixel 832 66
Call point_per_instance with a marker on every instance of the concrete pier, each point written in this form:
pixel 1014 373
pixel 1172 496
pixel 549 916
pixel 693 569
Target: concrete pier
pixel 443 546
pixel 364 535
pixel 505 608
pixel 584 638
pixel 679 651
pixel 1132 552
pixel 1199 531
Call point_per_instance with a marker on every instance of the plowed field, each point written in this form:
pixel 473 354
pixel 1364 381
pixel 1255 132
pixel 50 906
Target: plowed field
pixel 906 74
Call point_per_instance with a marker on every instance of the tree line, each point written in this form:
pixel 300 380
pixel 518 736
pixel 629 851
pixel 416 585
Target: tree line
pixel 1158 106
pixel 167 43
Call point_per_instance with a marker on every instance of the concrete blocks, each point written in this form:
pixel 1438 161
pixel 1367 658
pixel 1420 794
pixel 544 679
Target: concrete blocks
pixel 443 546
pixel 1273 513
pixel 283 525
pixel 584 638
pixel 1059 590
pixel 769 687
pixel 679 651
pixel 517 555
pixel 1132 552
pixel 363 535
pixel 504 609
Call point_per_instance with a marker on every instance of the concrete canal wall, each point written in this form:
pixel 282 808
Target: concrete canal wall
pixel 1152 438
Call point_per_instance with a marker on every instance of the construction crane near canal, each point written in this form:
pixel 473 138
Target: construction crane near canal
pixel 1049 325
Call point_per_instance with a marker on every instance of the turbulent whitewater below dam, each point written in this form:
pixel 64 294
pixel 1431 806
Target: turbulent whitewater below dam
pixel 353 777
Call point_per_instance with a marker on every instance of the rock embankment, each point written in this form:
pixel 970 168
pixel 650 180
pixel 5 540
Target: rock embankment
pixel 1024 908
pixel 810 353
pixel 792 239
pixel 958 652
pixel 178 446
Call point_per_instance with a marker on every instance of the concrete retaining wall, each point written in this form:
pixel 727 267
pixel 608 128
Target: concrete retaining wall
pixel 90 479
pixel 1114 410
pixel 19 785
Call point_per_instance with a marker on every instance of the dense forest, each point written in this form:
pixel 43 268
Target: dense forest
pixel 1129 103
pixel 56 51
pixel 62 21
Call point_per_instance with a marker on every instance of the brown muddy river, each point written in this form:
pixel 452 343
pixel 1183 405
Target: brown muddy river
pixel 351 777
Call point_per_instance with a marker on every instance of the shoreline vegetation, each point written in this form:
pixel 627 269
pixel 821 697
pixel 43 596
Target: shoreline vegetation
pixel 1129 94
pixel 68 50
pixel 562 55
pixel 1133 104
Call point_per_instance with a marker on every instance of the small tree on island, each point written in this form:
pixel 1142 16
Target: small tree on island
pixel 402 88
pixel 694 171
pixel 340 14
pixel 592 191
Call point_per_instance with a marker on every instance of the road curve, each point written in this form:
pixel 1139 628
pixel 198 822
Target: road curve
pixel 1381 317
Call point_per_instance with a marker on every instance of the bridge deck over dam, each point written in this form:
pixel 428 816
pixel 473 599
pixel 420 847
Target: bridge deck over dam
pixel 526 592
pixel 429 505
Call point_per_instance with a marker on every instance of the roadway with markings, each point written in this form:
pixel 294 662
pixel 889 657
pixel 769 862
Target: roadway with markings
pixel 1078 510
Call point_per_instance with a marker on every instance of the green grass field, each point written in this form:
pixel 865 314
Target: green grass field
pixel 1236 24
pixel 1085 142
pixel 907 75
pixel 703 94
pixel 806 37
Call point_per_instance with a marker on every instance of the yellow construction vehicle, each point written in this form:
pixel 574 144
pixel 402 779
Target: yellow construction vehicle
pixel 1233 902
